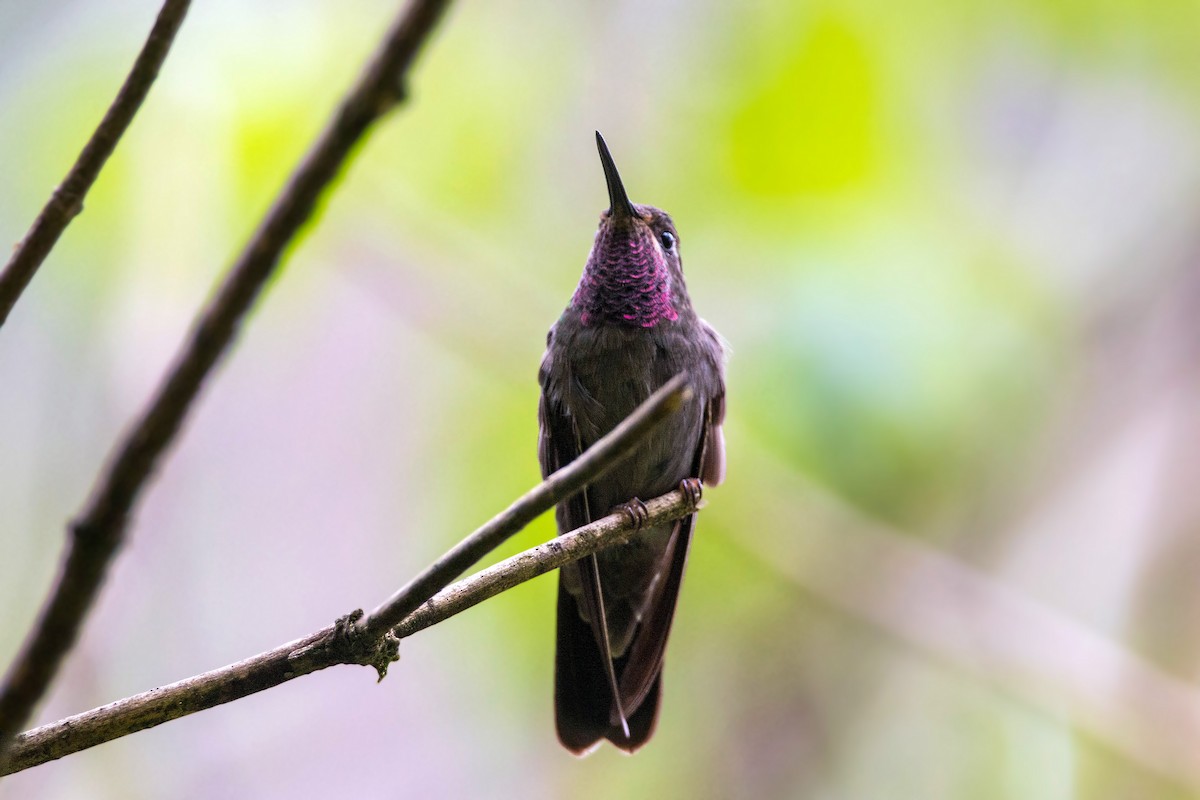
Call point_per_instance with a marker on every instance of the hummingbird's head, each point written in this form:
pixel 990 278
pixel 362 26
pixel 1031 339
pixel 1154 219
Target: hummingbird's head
pixel 633 275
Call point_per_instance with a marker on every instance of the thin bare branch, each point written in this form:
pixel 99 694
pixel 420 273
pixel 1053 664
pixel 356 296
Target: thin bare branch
pixel 67 201
pixel 311 653
pixel 487 583
pixel 558 486
pixel 98 531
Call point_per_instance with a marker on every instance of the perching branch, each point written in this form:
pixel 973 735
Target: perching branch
pixel 98 531
pixel 593 463
pixel 67 200
pixel 324 648
pixel 591 538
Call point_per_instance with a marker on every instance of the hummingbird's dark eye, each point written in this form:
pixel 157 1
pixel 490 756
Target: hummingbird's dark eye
pixel 668 240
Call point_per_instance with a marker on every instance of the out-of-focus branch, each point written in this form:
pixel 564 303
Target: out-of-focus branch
pixel 98 531
pixel 67 200
pixel 969 620
pixel 322 649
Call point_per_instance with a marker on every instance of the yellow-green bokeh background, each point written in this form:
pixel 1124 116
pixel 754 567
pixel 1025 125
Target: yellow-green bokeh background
pixel 951 245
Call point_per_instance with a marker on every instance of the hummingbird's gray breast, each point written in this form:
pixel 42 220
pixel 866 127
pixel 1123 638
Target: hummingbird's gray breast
pixel 599 374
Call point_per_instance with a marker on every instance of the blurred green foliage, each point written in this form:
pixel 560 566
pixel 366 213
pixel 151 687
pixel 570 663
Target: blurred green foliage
pixel 906 219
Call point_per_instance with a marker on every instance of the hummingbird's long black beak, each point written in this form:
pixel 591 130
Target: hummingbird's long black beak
pixel 618 202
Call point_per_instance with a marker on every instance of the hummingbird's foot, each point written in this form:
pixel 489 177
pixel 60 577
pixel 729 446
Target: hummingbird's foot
pixel 693 490
pixel 637 512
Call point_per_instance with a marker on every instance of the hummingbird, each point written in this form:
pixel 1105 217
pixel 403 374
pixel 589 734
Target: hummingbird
pixel 628 329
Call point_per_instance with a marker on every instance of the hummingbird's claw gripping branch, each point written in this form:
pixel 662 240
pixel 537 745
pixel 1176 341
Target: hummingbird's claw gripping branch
pixel 636 511
pixel 693 490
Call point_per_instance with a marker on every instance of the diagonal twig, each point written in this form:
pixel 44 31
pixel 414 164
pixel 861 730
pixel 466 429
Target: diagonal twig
pixel 98 531
pixel 67 201
pixel 560 485
pixel 341 644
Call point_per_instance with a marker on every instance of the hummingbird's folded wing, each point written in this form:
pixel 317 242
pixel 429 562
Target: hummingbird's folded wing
pixel 585 682
pixel 712 462
pixel 641 670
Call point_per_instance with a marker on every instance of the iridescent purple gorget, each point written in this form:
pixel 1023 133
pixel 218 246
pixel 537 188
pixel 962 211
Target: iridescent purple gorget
pixel 626 279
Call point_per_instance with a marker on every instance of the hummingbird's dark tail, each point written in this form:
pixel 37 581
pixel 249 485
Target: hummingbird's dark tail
pixel 583 696
pixel 593 599
pixel 585 704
